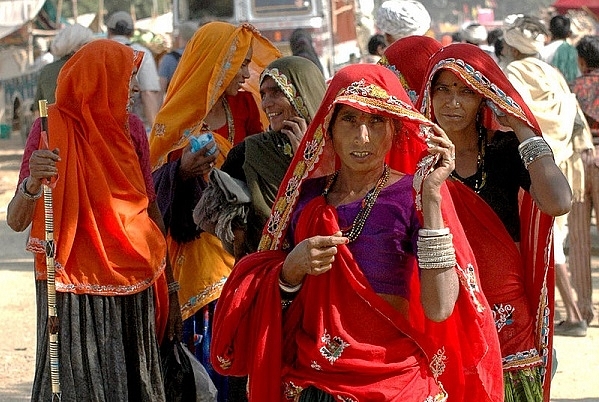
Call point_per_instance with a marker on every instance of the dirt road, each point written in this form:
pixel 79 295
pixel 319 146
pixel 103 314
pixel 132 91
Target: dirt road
pixel 577 377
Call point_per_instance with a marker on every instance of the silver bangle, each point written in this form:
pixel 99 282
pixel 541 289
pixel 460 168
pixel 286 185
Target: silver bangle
pixel 287 288
pixel 26 194
pixel 423 232
pixel 532 149
pixel 436 252
pixel 173 287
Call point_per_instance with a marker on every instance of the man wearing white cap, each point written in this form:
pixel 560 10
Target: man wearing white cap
pixel 400 18
pixel 147 102
pixel 565 129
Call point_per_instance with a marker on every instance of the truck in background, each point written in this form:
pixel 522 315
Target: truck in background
pixel 332 23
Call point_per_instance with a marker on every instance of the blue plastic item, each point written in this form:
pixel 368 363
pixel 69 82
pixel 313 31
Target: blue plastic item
pixel 201 141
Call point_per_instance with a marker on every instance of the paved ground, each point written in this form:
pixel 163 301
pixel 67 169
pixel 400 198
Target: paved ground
pixel 577 377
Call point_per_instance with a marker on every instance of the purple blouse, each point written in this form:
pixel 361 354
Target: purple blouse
pixel 387 243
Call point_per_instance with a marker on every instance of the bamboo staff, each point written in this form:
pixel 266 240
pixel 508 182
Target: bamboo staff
pixel 50 270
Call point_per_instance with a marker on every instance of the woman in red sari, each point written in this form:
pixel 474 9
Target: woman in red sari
pixel 335 305
pixel 511 241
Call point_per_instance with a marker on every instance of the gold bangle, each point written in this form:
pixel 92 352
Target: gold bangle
pixel 26 194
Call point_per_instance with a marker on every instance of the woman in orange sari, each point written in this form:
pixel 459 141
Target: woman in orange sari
pixel 469 96
pixel 364 288
pixel 204 95
pixel 110 251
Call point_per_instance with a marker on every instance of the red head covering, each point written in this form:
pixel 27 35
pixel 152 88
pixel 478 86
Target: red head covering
pixel 369 88
pixel 106 243
pixel 477 70
pixel 408 58
pixel 483 75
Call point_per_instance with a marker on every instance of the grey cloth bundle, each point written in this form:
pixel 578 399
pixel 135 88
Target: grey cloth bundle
pixel 224 200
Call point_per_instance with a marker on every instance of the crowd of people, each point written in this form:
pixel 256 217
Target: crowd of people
pixel 396 233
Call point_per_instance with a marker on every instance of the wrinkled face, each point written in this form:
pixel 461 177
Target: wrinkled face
pixel 360 139
pixel 133 89
pixel 242 75
pixel 275 104
pixel 455 104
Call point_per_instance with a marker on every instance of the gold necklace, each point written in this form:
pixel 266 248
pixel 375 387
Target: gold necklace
pixel 367 203
pixel 230 122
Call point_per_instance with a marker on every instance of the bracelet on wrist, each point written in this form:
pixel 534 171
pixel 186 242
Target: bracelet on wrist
pixel 173 287
pixel 422 232
pixel 26 194
pixel 287 288
pixel 532 149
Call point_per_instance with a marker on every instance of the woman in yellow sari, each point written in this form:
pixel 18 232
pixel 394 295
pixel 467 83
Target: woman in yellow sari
pixel 204 96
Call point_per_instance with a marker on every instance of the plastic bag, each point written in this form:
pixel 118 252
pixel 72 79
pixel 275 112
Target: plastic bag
pixel 185 379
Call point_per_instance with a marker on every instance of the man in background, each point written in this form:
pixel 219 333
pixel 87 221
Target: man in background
pixel 565 129
pixel 559 52
pixel 400 18
pixel 147 101
pixel 63 46
pixel 168 63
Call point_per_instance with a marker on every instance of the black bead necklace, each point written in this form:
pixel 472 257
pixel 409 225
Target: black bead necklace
pixel 479 179
pixel 367 203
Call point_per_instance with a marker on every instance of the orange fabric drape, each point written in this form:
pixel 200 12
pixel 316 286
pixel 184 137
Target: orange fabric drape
pixel 106 243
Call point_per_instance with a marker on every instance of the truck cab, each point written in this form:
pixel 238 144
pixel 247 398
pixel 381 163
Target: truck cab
pixel 331 23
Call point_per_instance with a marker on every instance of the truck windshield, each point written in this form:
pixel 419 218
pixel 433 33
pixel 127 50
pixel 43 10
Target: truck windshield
pixel 281 7
pixel 198 9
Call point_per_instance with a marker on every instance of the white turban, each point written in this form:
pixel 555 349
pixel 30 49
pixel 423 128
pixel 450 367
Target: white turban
pixel 474 32
pixel 401 18
pixel 526 35
pixel 70 39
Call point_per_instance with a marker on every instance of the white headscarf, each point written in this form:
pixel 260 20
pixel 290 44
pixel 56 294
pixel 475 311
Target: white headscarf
pixel 526 34
pixel 401 18
pixel 70 39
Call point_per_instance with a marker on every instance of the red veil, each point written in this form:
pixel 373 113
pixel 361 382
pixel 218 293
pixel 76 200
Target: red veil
pixel 251 335
pixel 495 248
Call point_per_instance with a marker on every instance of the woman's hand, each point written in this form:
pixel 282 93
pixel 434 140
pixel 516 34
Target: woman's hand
pixel 440 144
pixel 42 166
pixel 195 164
pixel 296 128
pixel 312 256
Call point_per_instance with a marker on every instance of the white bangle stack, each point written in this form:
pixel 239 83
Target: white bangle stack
pixel 532 149
pixel 435 249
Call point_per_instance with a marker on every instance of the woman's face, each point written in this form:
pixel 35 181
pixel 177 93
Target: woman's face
pixel 455 104
pixel 242 75
pixel 360 139
pixel 275 104
pixel 133 89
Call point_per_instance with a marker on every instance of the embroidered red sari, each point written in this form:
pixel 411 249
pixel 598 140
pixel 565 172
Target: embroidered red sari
pixel 338 334
pixel 518 280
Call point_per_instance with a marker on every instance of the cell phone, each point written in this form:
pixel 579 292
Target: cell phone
pixel 498 112
pixel 201 141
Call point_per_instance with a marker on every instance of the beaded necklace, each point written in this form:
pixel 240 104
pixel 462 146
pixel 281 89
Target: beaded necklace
pixel 230 123
pixel 480 177
pixel 367 203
